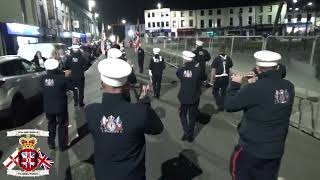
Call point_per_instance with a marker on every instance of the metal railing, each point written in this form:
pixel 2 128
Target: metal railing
pixel 300 55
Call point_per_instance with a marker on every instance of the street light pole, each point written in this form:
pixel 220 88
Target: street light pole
pixel 57 19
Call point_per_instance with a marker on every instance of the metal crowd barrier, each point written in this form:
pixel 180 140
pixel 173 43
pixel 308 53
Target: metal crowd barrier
pixel 306 118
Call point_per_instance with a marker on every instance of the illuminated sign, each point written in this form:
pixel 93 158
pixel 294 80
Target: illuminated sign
pixel 66 34
pixel 23 29
pixel 76 24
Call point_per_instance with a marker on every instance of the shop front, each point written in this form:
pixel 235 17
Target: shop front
pixel 17 35
pixel 66 38
pixel 80 38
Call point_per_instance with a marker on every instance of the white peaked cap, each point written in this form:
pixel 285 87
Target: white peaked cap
pixel 188 55
pixel 51 64
pixel 199 43
pixel 114 72
pixel 114 53
pixel 156 50
pixel 75 47
pixel 267 58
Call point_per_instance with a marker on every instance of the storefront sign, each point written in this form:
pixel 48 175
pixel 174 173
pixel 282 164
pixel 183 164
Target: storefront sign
pixel 23 29
pixel 66 34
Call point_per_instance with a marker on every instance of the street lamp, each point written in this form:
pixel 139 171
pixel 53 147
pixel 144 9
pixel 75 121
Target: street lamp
pixel 124 21
pixel 159 5
pixel 96 15
pixel 310 4
pixel 295 1
pixel 91 4
pixel 297 9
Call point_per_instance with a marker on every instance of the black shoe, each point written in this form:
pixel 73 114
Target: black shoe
pixel 75 105
pixel 190 139
pixel 184 138
pixel 82 105
pixel 52 147
pixel 221 109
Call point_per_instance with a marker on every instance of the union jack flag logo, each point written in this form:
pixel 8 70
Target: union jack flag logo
pixel 28 159
pixel 44 161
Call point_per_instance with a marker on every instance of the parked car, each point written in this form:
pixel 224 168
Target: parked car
pixel 29 50
pixel 19 84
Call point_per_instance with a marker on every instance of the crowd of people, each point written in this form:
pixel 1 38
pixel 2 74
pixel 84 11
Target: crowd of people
pixel 119 126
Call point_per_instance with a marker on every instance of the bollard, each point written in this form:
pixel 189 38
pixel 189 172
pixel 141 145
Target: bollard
pixel 306 117
pixel 295 119
pixel 315 103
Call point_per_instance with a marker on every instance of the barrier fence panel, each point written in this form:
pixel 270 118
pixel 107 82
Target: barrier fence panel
pixel 301 55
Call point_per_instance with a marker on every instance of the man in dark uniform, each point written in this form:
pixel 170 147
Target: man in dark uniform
pixel 77 65
pixel 189 94
pixel 119 127
pixel 156 67
pixel 140 59
pixel 281 68
pixel 267 106
pixel 132 79
pixel 54 87
pixel 202 56
pixel 221 69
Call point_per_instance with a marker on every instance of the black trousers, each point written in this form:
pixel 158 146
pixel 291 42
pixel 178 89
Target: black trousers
pixel 245 166
pixel 188 116
pixel 140 64
pixel 156 82
pixel 61 120
pixel 220 90
pixel 78 93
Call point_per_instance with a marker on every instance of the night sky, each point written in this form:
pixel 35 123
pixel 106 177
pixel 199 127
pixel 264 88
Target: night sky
pixel 112 11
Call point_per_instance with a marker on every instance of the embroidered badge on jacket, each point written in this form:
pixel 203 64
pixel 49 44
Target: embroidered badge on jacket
pixel 75 60
pixel 187 74
pixel 111 125
pixel 49 82
pixel 281 96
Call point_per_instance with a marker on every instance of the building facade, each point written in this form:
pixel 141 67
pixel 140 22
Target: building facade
pixel 245 20
pixel 32 21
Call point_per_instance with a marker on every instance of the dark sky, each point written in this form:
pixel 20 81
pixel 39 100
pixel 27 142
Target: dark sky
pixel 111 10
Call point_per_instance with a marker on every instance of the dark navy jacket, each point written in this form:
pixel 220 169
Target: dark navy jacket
pixel 140 54
pixel 191 78
pixel 202 56
pixel 118 128
pixel 54 87
pixel 267 106
pixel 157 65
pixel 77 64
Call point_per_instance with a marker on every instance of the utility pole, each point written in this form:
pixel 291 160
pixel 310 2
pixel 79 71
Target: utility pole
pixel 276 22
pixel 57 19
pixel 240 23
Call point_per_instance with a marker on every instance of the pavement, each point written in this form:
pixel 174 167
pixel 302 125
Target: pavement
pixel 207 158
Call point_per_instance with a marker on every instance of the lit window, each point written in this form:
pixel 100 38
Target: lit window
pixel 190 23
pixel 182 23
